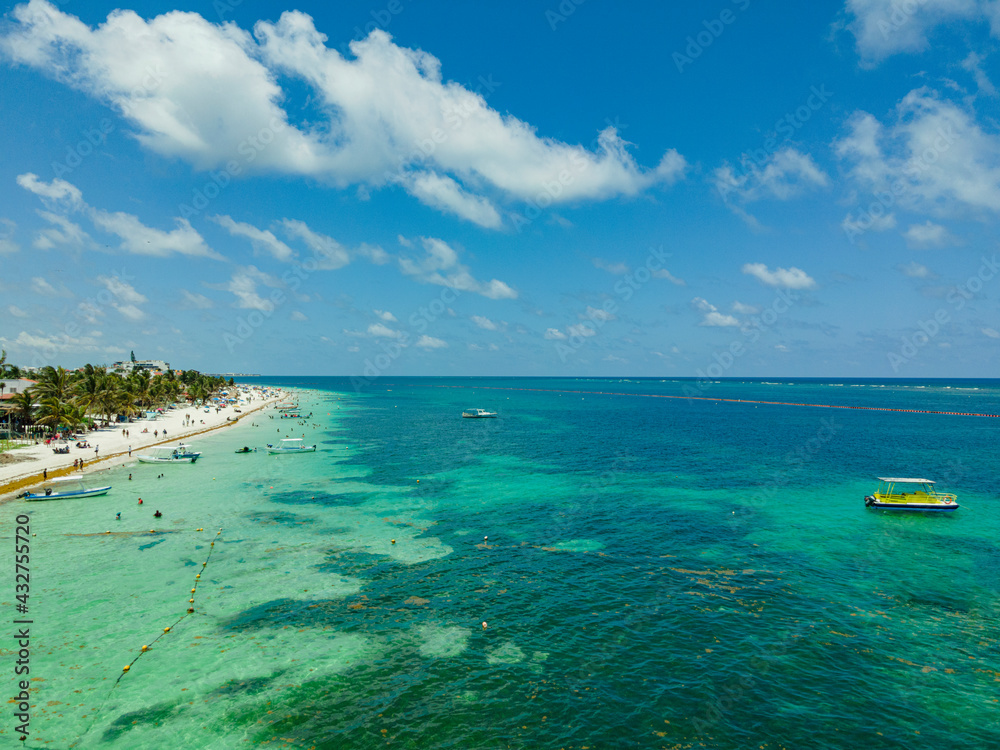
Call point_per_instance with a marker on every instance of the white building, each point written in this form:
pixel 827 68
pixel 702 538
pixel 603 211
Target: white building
pixel 14 386
pixel 127 367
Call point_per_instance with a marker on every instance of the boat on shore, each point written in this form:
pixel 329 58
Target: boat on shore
pixel 904 493
pixel 478 414
pixel 291 445
pixel 59 488
pixel 164 454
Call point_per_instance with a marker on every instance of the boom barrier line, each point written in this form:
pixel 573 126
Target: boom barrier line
pixel 710 398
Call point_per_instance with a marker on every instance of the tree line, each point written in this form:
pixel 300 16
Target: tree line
pixel 70 399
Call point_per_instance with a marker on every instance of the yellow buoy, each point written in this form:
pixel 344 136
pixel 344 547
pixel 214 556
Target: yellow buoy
pixel 198 576
pixel 393 541
pixel 192 591
pixel 145 648
pixel 126 668
pixel 190 601
pixel 190 610
pixel 199 529
pixel 166 630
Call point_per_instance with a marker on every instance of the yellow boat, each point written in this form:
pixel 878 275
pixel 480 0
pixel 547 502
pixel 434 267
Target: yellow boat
pixel 900 493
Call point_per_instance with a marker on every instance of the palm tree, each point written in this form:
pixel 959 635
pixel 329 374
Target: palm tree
pixel 53 412
pixel 24 407
pixel 53 383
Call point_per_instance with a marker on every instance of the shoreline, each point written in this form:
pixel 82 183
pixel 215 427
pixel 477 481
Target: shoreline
pixel 12 486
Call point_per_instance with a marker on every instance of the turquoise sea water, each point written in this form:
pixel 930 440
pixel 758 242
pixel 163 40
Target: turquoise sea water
pixel 658 573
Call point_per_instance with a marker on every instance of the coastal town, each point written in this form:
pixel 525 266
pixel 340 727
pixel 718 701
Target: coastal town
pixel 55 421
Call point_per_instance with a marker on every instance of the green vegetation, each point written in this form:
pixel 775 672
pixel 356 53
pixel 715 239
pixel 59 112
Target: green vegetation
pixel 91 394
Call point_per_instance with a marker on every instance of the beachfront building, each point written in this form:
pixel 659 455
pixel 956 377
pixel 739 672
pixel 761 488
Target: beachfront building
pixel 13 386
pixel 153 366
pixel 9 388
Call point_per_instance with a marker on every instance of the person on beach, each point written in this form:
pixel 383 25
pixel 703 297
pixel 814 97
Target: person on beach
pixel 156 433
pixel 130 451
pixel 45 473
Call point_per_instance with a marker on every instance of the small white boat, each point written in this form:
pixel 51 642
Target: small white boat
pixel 900 493
pixel 478 414
pixel 164 454
pixel 291 445
pixel 64 487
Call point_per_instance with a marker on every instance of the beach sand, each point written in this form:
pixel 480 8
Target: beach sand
pixel 113 447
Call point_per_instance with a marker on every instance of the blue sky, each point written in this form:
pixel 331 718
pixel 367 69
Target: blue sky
pixel 725 188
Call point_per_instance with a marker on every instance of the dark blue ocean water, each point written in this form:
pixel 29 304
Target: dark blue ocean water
pixel 659 572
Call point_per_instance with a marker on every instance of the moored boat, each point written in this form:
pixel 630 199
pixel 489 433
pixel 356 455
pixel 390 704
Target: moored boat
pixel 59 488
pixel 291 445
pixel 164 454
pixel 904 493
pixel 478 414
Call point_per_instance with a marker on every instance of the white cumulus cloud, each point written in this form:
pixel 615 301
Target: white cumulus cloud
pixel 786 278
pixel 210 93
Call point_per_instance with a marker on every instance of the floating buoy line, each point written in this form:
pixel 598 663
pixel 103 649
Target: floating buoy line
pixel 145 647
pixel 716 398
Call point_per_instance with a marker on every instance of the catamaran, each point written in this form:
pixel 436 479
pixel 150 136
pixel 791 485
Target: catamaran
pixel 164 454
pixel 899 493
pixel 291 445
pixel 58 488
pixel 478 414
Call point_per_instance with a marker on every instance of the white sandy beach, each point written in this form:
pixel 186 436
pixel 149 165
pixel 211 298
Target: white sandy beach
pixel 112 446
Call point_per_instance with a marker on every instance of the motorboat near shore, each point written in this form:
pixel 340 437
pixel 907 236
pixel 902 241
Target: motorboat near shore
pixel 900 493
pixel 164 454
pixel 59 488
pixel 291 445
pixel 478 414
